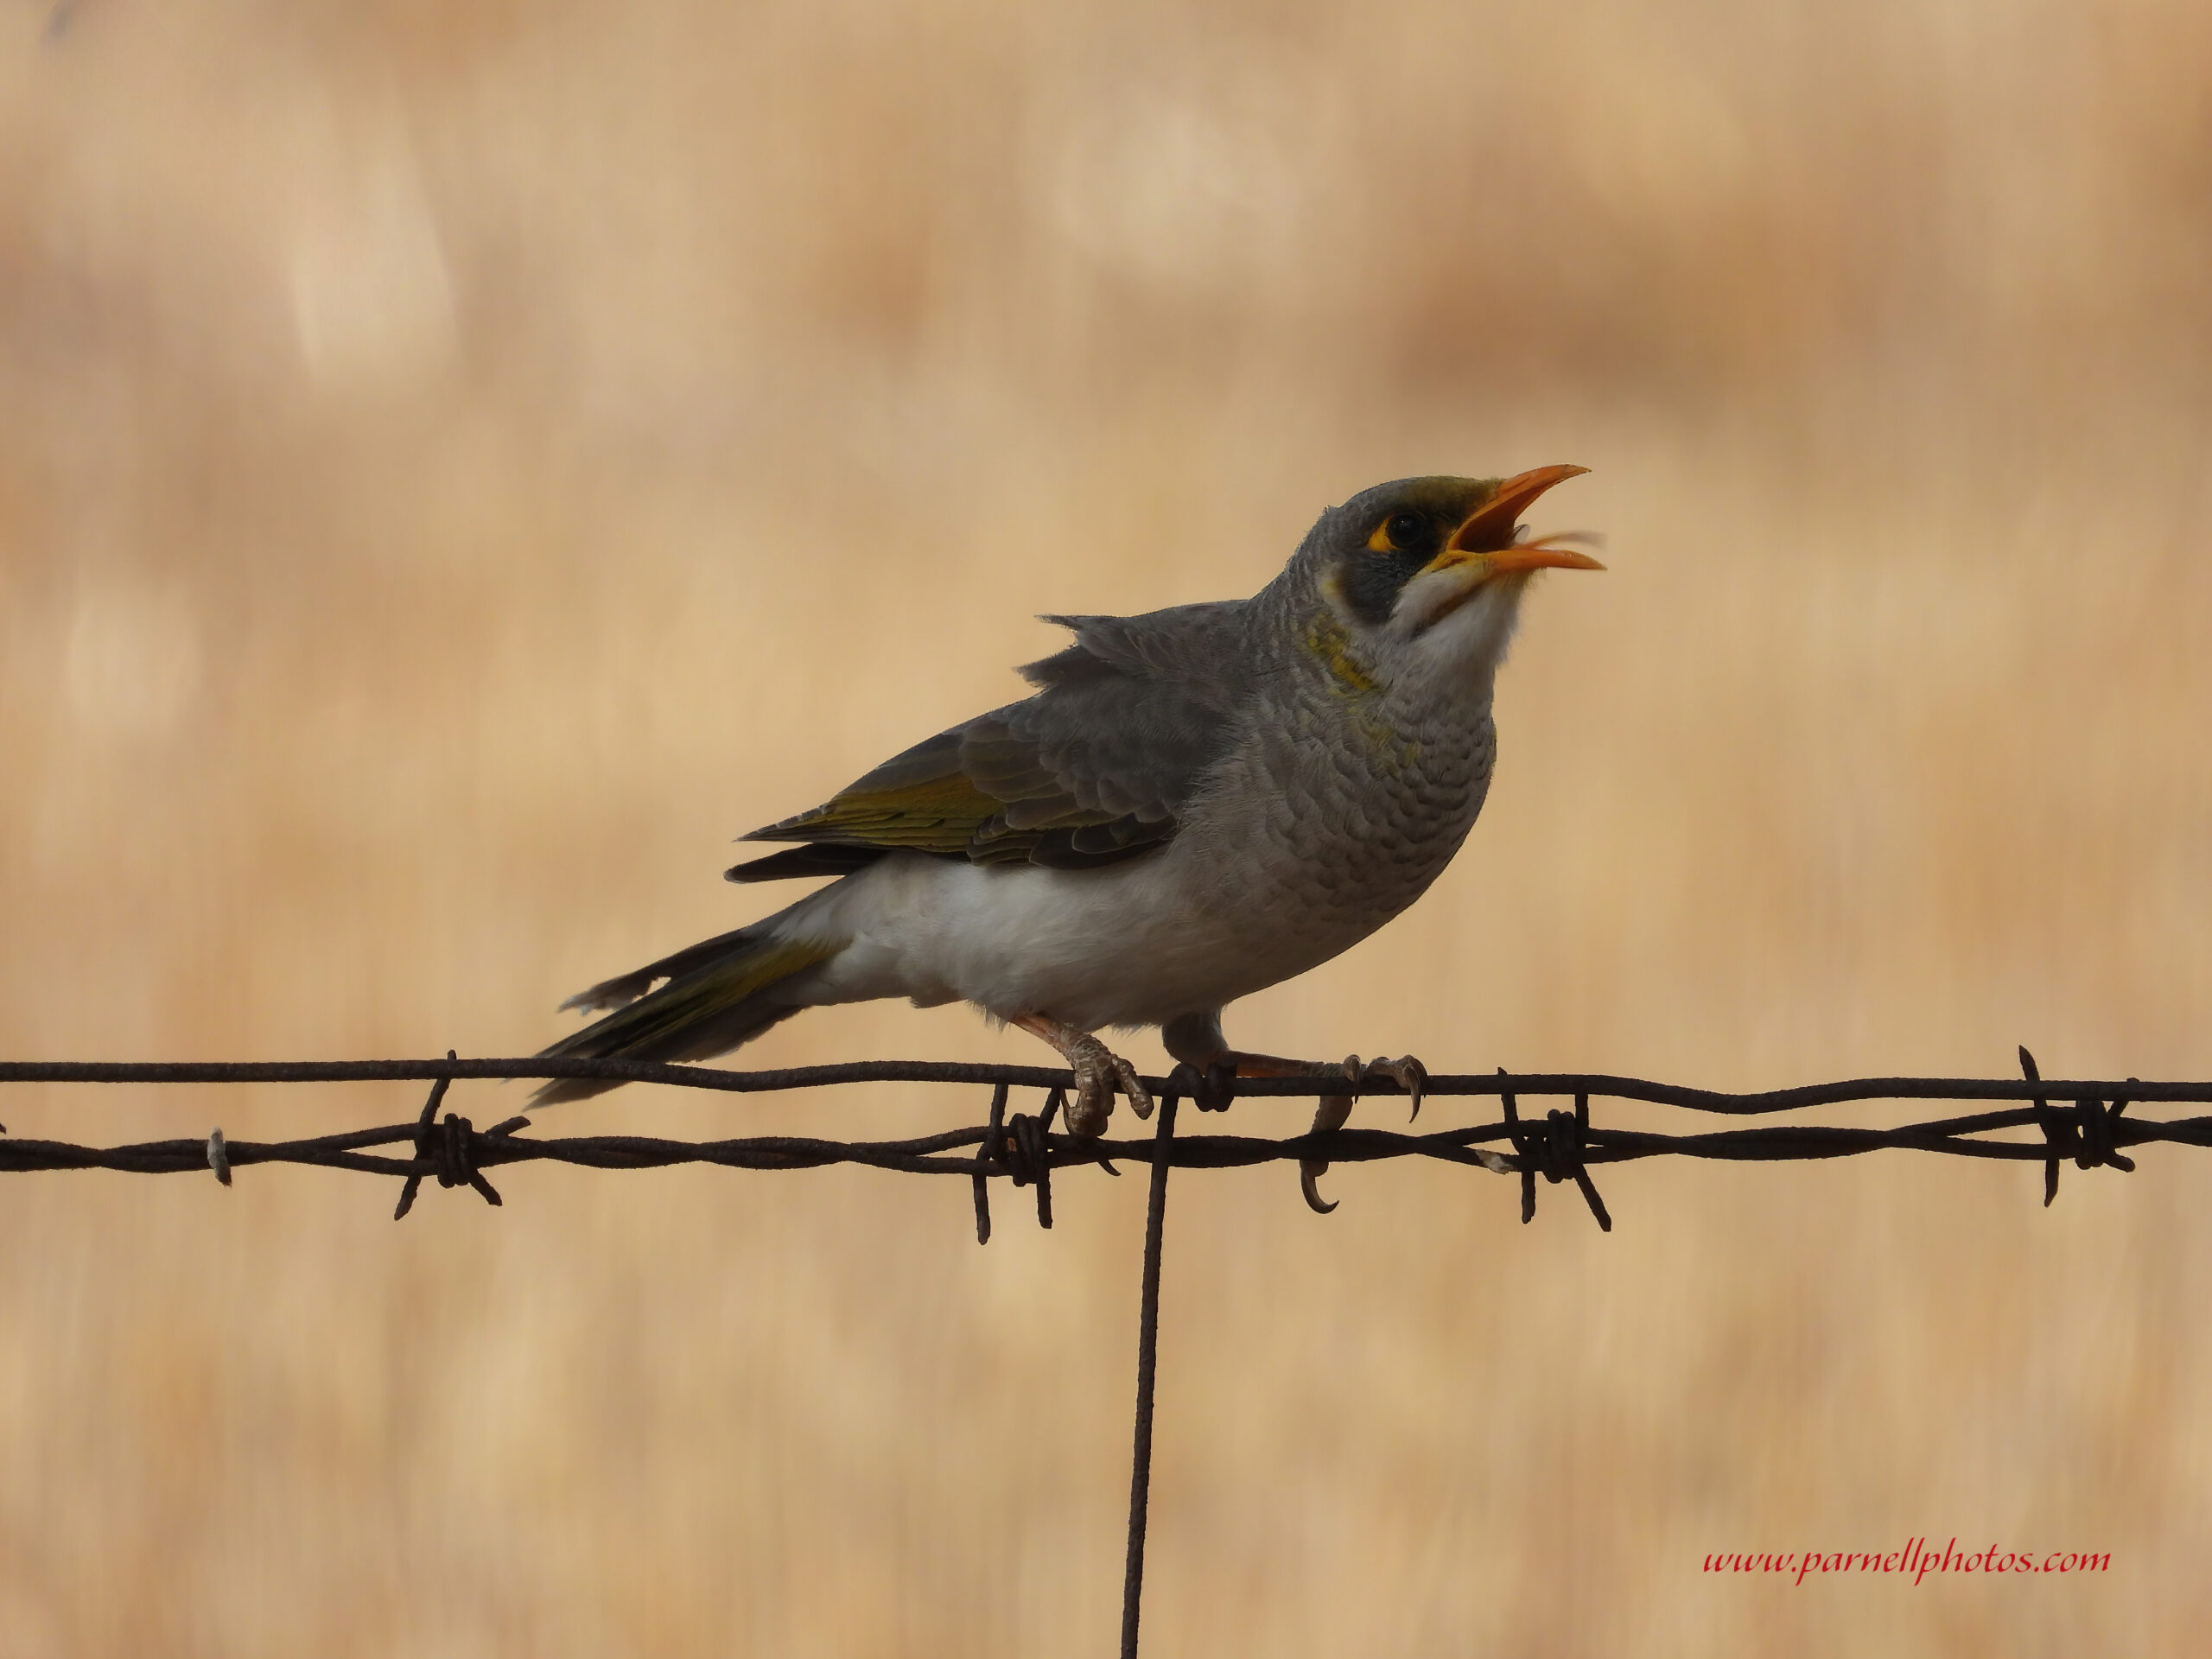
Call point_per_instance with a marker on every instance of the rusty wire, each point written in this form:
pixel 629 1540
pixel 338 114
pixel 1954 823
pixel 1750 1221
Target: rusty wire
pixel 2089 1125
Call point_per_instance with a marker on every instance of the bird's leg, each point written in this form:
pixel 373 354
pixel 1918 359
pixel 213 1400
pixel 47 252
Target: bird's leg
pixel 1098 1070
pixel 1197 1040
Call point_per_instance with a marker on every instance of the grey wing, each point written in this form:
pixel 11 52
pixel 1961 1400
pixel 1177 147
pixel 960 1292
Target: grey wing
pixel 1096 767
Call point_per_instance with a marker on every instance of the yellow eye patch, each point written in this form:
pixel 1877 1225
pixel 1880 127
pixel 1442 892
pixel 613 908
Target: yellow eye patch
pixel 1403 531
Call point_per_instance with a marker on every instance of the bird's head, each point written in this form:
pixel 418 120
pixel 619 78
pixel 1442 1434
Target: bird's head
pixel 1424 575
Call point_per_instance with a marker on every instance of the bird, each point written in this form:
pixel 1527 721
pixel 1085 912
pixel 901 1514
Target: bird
pixel 1191 805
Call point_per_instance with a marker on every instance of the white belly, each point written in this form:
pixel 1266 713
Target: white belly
pixel 1129 945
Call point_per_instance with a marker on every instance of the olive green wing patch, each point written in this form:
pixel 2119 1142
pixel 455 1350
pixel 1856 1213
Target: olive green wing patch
pixel 1096 767
pixel 971 793
pixel 931 813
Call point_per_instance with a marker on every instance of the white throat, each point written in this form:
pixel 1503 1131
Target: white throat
pixel 1460 653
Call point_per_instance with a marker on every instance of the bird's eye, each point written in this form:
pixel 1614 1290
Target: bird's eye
pixel 1405 530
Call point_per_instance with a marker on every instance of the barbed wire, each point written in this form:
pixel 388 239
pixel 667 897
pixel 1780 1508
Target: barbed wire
pixel 2090 1128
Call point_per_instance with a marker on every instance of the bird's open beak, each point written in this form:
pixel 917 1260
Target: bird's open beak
pixel 1483 547
pixel 1489 531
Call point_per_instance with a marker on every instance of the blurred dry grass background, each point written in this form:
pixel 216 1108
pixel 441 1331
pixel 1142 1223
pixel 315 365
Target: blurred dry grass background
pixel 458 466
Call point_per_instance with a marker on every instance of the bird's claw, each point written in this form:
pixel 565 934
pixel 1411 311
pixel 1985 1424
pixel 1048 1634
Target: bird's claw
pixel 1408 1073
pixel 1308 1175
pixel 1098 1072
pixel 1331 1112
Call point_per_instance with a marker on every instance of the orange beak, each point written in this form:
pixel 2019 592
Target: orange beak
pixel 1488 534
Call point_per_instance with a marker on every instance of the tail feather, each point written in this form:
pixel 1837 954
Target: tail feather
pixel 628 987
pixel 720 993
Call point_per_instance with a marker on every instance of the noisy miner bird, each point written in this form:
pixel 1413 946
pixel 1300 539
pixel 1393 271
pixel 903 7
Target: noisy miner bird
pixel 1195 804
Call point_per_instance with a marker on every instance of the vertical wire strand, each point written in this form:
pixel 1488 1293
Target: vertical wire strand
pixel 1148 1369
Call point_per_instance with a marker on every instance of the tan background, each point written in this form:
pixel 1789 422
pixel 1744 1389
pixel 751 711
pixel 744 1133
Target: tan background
pixel 458 466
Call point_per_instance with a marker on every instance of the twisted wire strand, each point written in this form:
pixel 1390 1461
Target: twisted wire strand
pixel 1559 1145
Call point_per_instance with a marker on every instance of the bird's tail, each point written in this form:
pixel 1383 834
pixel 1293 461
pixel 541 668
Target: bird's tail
pixel 719 992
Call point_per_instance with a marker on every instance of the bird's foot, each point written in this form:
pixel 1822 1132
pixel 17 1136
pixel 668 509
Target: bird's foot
pixel 1330 1112
pixel 1334 1110
pixel 1408 1073
pixel 1098 1072
pixel 1195 1041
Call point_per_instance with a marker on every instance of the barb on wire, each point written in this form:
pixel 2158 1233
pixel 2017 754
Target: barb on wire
pixel 1556 1149
pixel 2084 1135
